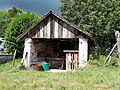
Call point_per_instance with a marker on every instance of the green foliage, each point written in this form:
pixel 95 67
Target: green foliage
pixel 96 60
pixel 113 62
pixel 14 11
pixel 5 18
pixel 99 17
pixel 99 60
pixel 18 25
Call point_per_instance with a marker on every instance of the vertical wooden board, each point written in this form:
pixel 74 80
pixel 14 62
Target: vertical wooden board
pixel 52 25
pixel 60 29
pixel 66 61
pixel 38 33
pixel 56 29
pixel 65 33
pixel 29 34
pixel 71 35
pixel 41 30
pixel 71 32
pixel 35 33
pixel 76 59
pixel 75 33
pixel 68 32
pixel 45 29
pixel 32 33
pixel 48 28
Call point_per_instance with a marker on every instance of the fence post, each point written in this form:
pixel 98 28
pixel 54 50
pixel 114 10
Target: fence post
pixel 14 58
pixel 117 34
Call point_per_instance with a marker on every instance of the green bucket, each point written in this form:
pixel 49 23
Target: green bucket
pixel 45 67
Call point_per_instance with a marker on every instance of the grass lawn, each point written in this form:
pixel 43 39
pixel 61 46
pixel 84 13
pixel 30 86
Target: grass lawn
pixel 89 78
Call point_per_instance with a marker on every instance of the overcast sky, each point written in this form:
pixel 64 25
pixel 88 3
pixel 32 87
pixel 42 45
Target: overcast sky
pixel 38 6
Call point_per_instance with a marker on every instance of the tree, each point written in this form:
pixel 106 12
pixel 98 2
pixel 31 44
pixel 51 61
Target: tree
pixel 5 18
pixel 18 25
pixel 13 11
pixel 99 17
pixel 3 22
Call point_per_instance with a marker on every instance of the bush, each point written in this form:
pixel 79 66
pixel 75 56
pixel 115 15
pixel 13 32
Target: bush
pixel 99 60
pixel 18 25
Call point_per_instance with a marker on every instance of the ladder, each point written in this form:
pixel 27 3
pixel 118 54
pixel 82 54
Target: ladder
pixel 117 34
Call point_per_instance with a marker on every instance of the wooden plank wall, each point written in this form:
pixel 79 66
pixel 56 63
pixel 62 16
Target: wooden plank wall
pixel 52 27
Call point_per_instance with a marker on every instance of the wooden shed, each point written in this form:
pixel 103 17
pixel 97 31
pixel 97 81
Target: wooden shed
pixel 56 41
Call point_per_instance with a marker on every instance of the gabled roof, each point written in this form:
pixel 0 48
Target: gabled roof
pixel 59 17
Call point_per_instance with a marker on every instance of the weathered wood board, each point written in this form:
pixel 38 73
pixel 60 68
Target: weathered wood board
pixel 52 27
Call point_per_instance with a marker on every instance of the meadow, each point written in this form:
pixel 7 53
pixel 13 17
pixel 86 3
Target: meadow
pixel 91 77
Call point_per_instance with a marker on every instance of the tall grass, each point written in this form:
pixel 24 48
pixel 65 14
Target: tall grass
pixel 88 78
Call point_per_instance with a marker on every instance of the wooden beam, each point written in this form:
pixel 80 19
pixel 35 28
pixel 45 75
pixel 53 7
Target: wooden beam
pixel 109 55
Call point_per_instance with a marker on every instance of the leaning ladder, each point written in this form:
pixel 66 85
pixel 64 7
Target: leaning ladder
pixel 117 34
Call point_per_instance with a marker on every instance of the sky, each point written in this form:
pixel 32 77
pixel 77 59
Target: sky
pixel 38 6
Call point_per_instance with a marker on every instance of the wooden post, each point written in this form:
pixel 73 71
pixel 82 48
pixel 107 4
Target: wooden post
pixel 75 60
pixel 67 61
pixel 14 57
pixel 117 34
